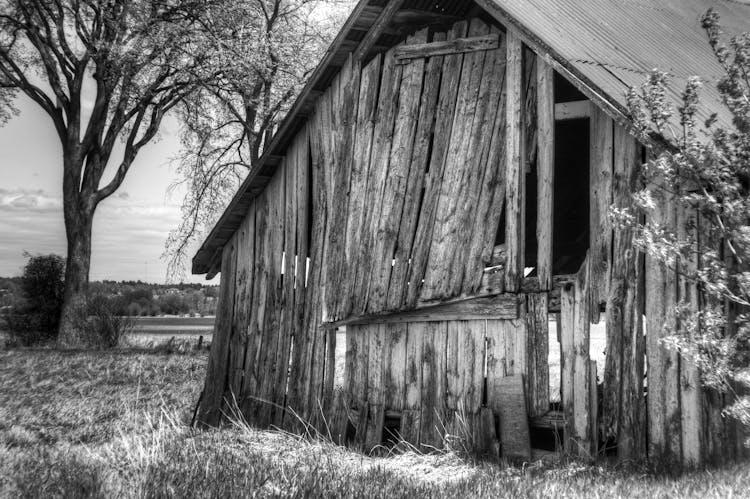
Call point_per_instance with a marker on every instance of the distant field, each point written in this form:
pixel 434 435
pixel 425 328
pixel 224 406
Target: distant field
pixel 160 329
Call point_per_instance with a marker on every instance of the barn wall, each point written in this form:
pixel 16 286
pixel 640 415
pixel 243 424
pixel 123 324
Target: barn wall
pixel 383 216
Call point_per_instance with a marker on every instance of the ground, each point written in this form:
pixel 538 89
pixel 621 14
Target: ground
pixel 103 424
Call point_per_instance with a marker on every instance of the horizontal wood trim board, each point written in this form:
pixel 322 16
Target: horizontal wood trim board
pixel 573 110
pixel 461 45
pixel 483 307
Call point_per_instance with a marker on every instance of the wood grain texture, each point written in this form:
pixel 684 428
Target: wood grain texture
pixel 439 47
pixel 449 87
pixel 434 384
pixel 600 198
pixel 514 424
pixel 420 158
pixel 515 180
pixel 545 171
pixel 537 375
pixel 567 362
pixel 411 418
pixel 210 405
pixel 397 167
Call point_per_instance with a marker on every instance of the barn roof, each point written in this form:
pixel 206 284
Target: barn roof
pixel 602 46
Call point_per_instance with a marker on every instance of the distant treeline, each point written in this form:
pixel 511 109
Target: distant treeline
pixel 136 298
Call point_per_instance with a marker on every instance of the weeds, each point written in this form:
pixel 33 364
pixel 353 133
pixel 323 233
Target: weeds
pixel 114 424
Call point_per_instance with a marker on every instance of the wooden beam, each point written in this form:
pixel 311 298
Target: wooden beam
pixel 483 307
pixel 380 24
pixel 573 110
pixel 461 45
pixel 545 170
pixel 515 180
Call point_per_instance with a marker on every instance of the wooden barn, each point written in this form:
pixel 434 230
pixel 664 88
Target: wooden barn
pixel 433 213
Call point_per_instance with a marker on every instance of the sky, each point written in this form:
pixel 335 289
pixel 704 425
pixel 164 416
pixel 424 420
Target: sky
pixel 130 228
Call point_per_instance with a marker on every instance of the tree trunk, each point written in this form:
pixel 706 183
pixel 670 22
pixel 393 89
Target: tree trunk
pixel 79 216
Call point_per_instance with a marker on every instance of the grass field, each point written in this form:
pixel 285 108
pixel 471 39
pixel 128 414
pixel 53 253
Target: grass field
pixel 112 424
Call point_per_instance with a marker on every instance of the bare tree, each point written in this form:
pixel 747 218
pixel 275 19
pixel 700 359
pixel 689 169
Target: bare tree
pixel 140 61
pixel 264 50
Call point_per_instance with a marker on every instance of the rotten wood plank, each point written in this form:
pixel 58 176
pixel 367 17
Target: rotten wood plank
pixel 434 384
pixel 537 376
pixel 514 423
pixel 404 54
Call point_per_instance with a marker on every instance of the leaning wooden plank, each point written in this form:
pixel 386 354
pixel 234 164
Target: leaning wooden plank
pixel 437 48
pixel 459 178
pixel 537 321
pixel 515 180
pixel 515 441
pixel 345 117
pixel 209 407
pixel 242 304
pixel 545 170
pixel 376 179
pixel 489 307
pixel 600 196
pixel 449 86
pixel 420 157
pixel 365 124
pixel 434 385
pixel 486 177
pixel 397 175
pixel 411 416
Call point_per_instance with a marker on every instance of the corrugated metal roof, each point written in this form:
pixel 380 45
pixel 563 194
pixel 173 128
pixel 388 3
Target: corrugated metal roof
pixel 616 43
pixel 609 45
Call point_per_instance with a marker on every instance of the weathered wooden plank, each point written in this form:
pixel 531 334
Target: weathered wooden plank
pixel 537 376
pixel 209 408
pixel 600 198
pixel 514 424
pixel 581 369
pixel 672 374
pixel 405 53
pixel 515 180
pixel 691 418
pixel 451 74
pixel 375 388
pixel 376 179
pixel 434 384
pixel 459 177
pixel 420 157
pixel 356 212
pixel 576 110
pixel 545 170
pixel 496 357
pixel 410 420
pixel 242 305
pixel 567 362
pixel 486 307
pixel 622 403
pixel 593 409
pixel 394 366
pixel 274 365
pixel 486 176
pixel 656 355
pixel 397 168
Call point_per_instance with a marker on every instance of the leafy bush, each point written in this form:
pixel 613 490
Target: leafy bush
pixel 36 317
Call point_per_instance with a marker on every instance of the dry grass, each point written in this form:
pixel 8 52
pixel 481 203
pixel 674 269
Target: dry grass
pixel 113 424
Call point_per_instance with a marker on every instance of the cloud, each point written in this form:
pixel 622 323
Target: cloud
pixel 128 233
